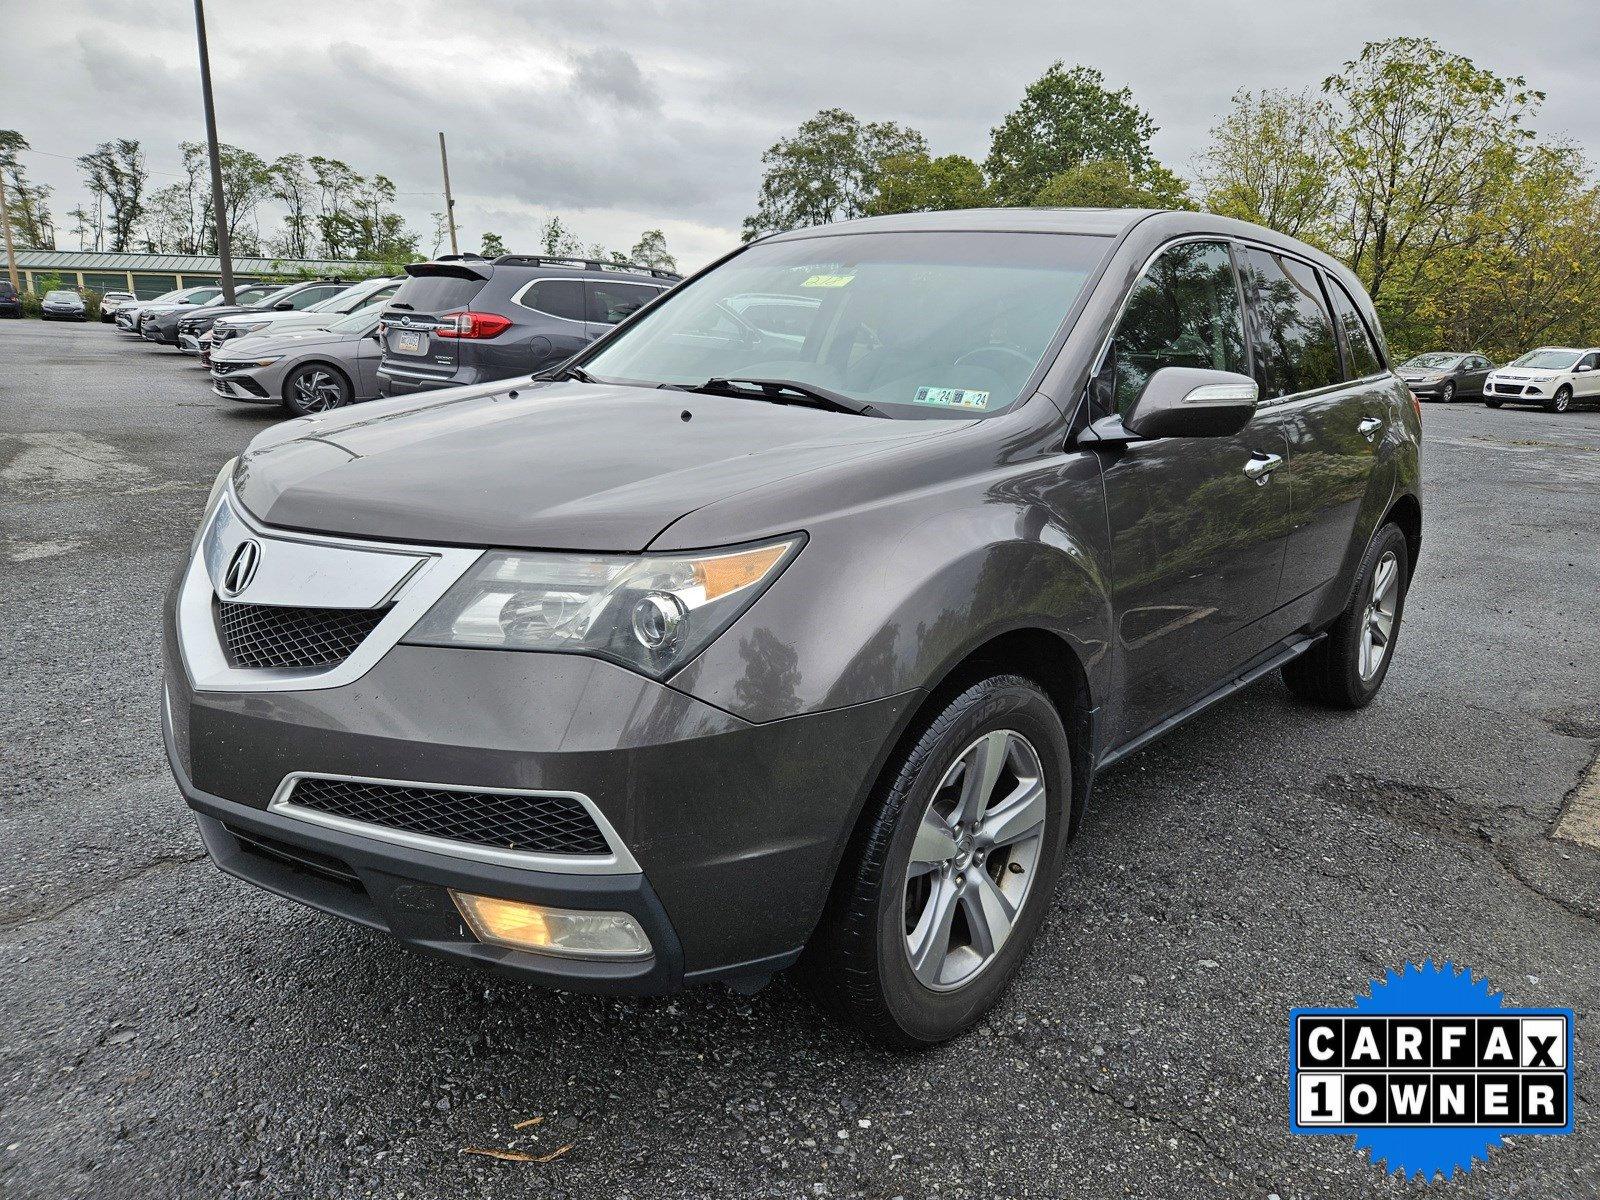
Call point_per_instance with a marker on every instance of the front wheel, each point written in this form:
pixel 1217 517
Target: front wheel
pixel 940 897
pixel 314 389
pixel 1447 394
pixel 1561 401
pixel 1346 668
pixel 1491 402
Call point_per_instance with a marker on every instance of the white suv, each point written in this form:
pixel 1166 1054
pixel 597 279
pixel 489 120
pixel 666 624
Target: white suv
pixel 1553 376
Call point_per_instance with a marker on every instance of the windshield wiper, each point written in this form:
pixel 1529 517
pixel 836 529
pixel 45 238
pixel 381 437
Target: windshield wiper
pixel 787 391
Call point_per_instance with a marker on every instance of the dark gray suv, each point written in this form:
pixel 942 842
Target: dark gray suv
pixel 794 621
pixel 466 319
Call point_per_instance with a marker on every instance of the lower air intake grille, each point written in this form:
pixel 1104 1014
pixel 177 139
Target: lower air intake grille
pixel 533 824
pixel 266 636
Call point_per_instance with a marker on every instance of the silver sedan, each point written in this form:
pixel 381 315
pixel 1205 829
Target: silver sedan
pixel 310 371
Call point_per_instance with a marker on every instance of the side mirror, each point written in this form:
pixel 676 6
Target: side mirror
pixel 1193 402
pixel 283 306
pixel 1584 367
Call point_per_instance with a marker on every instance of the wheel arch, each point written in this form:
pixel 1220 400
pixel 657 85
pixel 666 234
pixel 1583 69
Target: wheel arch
pixel 1406 512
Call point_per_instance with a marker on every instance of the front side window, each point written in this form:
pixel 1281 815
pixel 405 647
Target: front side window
pixel 926 324
pixel 1183 312
pixel 1294 341
pixel 1363 359
pixel 201 295
pixel 610 303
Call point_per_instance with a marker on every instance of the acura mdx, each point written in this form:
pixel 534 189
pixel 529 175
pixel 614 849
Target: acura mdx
pixel 791 621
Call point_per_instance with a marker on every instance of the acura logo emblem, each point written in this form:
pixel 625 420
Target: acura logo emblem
pixel 241 567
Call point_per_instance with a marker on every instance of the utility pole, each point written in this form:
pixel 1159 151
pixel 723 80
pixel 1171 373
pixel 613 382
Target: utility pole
pixel 449 202
pixel 5 222
pixel 218 211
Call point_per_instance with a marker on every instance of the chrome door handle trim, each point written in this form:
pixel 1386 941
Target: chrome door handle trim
pixel 1261 466
pixel 1369 426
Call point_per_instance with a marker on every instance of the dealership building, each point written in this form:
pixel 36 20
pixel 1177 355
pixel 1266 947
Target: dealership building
pixel 150 275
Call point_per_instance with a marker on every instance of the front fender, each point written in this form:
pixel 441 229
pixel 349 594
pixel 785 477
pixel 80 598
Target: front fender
pixel 889 599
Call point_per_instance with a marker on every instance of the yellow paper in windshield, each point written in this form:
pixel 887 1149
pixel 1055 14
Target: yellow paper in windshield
pixel 822 281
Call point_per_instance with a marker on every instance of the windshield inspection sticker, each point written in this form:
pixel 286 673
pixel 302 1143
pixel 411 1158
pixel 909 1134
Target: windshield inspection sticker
pixel 952 398
pixel 821 281
pixel 1430 1070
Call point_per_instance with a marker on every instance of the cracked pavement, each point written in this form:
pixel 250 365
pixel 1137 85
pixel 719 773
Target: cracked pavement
pixel 169 1032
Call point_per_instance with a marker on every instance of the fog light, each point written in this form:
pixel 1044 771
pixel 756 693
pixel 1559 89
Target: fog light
pixel 576 933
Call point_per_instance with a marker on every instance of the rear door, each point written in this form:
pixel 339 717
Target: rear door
pixel 561 328
pixel 609 303
pixel 432 292
pixel 1333 414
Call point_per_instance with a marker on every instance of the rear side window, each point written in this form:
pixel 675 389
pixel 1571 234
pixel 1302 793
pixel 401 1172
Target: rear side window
pixel 313 295
pixel 1183 312
pixel 1294 341
pixel 613 302
pixel 556 298
pixel 436 293
pixel 1361 359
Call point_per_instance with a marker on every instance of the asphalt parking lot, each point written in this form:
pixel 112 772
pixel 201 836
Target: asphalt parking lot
pixel 167 1031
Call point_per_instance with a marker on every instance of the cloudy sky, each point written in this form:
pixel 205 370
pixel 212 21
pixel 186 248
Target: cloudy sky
pixel 622 115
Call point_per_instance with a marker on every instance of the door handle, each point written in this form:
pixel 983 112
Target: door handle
pixel 1261 466
pixel 1369 426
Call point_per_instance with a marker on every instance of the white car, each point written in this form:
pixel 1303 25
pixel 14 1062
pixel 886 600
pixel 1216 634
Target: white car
pixel 1551 376
pixel 318 316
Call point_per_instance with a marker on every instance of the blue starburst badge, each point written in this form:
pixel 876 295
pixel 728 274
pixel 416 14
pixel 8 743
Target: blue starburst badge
pixel 1430 1070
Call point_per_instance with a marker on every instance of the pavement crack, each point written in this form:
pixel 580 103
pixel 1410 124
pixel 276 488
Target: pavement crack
pixel 13 921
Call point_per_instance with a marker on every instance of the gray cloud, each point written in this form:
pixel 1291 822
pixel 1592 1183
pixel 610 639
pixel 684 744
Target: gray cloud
pixel 622 114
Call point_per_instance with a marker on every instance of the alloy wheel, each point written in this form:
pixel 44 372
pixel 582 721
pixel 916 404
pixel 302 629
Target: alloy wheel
pixel 1563 398
pixel 1377 630
pixel 317 391
pixel 974 858
pixel 1448 394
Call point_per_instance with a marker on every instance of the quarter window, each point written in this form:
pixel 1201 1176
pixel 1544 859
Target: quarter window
pixel 610 303
pixel 1361 359
pixel 1294 341
pixel 1183 312
pixel 556 298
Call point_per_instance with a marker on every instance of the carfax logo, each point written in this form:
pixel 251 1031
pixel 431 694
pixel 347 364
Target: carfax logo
pixel 1430 1070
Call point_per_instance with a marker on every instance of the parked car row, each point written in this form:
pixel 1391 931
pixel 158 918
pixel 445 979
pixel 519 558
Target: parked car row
pixel 1551 377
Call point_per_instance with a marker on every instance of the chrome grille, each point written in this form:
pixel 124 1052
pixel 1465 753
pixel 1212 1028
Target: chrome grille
pixel 534 824
pixel 268 636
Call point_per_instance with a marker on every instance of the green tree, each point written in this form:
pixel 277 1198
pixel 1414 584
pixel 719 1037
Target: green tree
pixel 1270 160
pixel 115 172
pixel 1067 117
pixel 289 182
pixel 917 183
pixel 492 245
pixel 1420 138
pixel 827 170
pixel 1107 183
pixel 335 187
pixel 559 241
pixel 651 251
pixel 27 203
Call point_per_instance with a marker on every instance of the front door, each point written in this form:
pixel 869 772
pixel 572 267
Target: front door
pixel 1196 524
pixel 1586 377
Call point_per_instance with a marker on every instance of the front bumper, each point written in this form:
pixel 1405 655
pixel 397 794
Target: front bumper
pixel 189 343
pixel 259 385
pixel 736 828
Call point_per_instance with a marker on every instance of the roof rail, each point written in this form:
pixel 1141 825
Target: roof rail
pixel 586 264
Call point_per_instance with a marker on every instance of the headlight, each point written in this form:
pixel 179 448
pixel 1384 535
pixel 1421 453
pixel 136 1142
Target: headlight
pixel 241 330
pixel 652 613
pixel 214 499
pixel 262 362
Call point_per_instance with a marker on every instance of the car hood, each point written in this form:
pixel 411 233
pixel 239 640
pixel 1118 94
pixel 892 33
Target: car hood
pixel 287 320
pixel 271 342
pixel 564 466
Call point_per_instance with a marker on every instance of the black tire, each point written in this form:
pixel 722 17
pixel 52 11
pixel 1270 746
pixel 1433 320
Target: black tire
pixel 1330 672
pixel 858 962
pixel 1561 401
pixel 1491 402
pixel 1447 394
pixel 315 387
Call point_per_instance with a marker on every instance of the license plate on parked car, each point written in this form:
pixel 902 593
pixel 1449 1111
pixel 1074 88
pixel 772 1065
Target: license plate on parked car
pixel 407 341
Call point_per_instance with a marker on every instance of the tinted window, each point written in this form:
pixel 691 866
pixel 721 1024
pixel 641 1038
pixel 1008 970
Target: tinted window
pixel 436 293
pixel 778 315
pixel 1183 312
pixel 1361 359
pixel 928 324
pixel 612 302
pixel 1295 348
pixel 201 295
pixel 556 298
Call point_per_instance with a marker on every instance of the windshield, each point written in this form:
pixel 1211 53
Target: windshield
pixel 61 295
pixel 255 295
pixel 916 324
pixel 1547 360
pixel 360 321
pixel 337 302
pixel 1432 362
